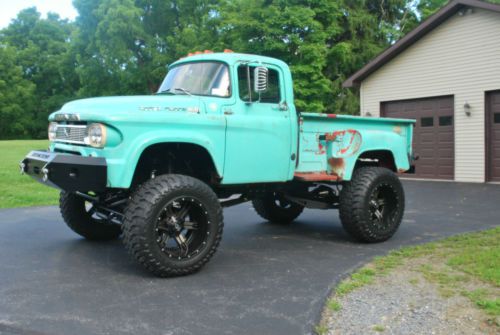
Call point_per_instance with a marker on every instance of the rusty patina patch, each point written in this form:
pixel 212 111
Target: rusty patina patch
pixel 337 166
pixel 344 143
pixel 321 149
pixel 315 176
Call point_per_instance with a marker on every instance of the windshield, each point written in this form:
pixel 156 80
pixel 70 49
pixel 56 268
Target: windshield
pixel 203 78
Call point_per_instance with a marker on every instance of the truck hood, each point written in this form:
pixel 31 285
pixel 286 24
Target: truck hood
pixel 128 107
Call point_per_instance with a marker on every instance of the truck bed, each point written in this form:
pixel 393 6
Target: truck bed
pixel 331 144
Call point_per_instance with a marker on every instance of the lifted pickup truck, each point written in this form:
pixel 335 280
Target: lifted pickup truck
pixel 156 169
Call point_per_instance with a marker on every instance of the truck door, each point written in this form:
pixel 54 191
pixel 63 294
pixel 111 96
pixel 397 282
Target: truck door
pixel 259 131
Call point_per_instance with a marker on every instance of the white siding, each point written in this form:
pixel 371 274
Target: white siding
pixel 461 57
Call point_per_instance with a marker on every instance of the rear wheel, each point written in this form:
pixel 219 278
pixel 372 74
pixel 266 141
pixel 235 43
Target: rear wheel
pixel 372 204
pixel 173 225
pixel 82 217
pixel 273 206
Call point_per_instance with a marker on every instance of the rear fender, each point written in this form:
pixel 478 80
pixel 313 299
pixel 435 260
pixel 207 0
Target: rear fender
pixel 343 162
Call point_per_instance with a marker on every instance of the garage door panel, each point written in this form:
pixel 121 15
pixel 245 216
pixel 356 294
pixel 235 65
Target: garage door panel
pixel 445 138
pixel 427 172
pixel 495 98
pixel 433 139
pixel 445 164
pixel 428 105
pixel 427 138
pixel 496 171
pixel 493 135
pixel 445 171
pixel 426 155
pixel 446 154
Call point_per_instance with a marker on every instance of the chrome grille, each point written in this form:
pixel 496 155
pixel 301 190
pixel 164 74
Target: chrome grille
pixel 71 133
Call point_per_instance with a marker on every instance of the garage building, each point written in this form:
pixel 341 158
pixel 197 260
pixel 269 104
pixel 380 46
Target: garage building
pixel 446 75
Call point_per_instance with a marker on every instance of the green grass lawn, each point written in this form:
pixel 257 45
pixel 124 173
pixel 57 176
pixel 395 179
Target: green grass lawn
pixel 18 190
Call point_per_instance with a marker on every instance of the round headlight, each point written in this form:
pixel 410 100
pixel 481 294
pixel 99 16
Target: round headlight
pixel 96 135
pixel 52 131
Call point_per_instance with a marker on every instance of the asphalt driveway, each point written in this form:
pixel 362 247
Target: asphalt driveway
pixel 264 279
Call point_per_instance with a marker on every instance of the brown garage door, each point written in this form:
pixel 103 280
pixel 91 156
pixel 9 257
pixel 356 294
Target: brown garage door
pixel 493 135
pixel 433 139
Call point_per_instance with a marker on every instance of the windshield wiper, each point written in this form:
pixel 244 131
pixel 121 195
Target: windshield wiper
pixel 172 90
pixel 167 91
pixel 183 90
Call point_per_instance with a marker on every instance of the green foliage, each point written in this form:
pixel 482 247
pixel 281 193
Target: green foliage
pixel 320 330
pixel 333 305
pixel 479 257
pixel 42 55
pixel 16 94
pixel 288 30
pixel 120 47
pixel 358 279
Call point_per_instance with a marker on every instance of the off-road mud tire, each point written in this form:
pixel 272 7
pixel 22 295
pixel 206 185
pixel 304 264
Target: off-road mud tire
pixel 356 211
pixel 268 209
pixel 79 220
pixel 140 217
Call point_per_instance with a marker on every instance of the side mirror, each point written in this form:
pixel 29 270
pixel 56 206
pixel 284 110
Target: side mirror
pixel 260 79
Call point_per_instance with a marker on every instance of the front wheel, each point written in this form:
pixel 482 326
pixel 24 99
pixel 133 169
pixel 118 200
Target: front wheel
pixel 173 225
pixel 372 204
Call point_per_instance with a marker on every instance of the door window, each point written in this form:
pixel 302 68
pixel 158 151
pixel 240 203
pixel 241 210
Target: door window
pixel 271 95
pixel 496 118
pixel 445 121
pixel 427 122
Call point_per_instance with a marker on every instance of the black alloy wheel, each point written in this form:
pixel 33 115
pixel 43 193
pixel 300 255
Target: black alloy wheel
pixel 182 227
pixel 383 205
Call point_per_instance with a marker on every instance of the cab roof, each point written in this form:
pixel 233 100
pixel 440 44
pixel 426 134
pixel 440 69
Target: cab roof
pixel 230 58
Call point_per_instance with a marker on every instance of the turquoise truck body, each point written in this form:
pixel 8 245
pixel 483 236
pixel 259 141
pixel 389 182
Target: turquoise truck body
pixel 222 130
pixel 248 142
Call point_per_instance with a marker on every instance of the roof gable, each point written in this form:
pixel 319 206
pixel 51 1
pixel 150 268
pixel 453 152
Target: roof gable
pixel 413 36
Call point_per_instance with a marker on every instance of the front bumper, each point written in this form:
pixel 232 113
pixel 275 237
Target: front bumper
pixel 67 172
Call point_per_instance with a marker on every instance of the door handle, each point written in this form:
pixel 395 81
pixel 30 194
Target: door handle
pixel 228 112
pixel 283 107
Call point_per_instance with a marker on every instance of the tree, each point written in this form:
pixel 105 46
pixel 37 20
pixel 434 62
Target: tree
pixel 42 52
pixel 323 41
pixel 283 29
pixel 120 47
pixel 358 31
pixel 124 46
pixel 16 97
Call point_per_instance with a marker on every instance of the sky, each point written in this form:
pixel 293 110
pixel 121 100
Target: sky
pixel 10 8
